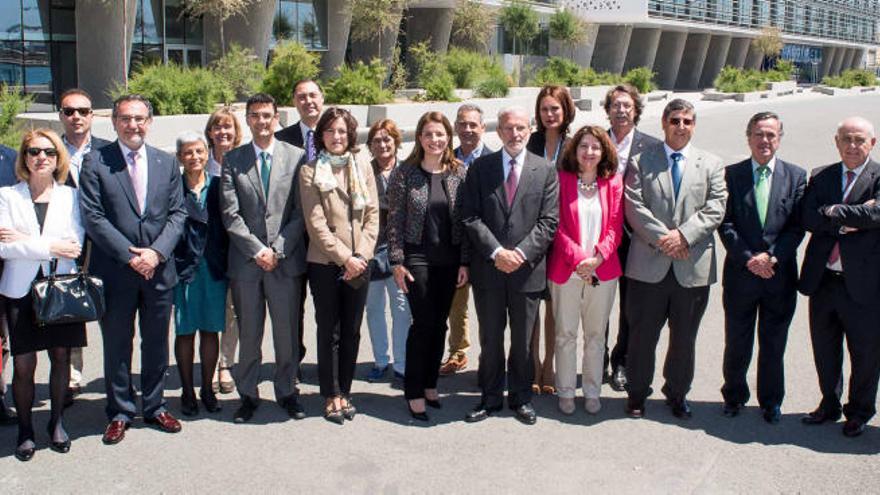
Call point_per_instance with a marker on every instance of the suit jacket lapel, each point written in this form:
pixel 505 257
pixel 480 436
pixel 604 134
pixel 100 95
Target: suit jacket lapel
pixel 527 179
pixel 690 174
pixel 279 176
pixel 497 177
pixel 123 176
pixel 154 171
pixel 777 185
pixel 862 185
pixel 254 176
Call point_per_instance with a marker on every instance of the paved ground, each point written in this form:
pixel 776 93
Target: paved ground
pixel 383 452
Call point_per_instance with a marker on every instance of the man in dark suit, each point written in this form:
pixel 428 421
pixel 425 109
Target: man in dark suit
pixel 840 274
pixel 7 178
pixel 675 198
pixel 623 106
pixel 309 101
pixel 132 208
pixel 76 117
pixel 510 211
pixel 761 232
pixel 267 254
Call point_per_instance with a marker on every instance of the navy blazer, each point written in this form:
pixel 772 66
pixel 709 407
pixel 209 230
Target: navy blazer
pixel 203 235
pixel 292 134
pixel 860 250
pixel 537 143
pixel 97 143
pixel 742 234
pixel 7 166
pixel 112 221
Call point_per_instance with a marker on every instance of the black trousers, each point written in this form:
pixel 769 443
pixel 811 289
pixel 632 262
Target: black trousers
pixel 833 315
pixel 773 312
pixel 339 310
pixel 430 298
pixel 618 354
pixel 659 303
pixel 494 307
pixel 4 345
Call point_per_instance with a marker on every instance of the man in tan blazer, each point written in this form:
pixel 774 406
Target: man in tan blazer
pixel 675 200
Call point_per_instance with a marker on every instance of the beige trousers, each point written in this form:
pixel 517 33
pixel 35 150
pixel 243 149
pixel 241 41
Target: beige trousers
pixel 229 338
pixel 577 302
pixel 459 341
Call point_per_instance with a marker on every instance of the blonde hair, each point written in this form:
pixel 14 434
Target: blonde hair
pixel 62 161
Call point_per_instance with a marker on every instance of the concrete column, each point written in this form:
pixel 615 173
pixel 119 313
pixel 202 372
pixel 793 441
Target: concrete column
pixel 692 60
pixel 828 55
pixel 838 61
pixel 384 42
pixel 739 50
pixel 719 46
pixel 103 55
pixel 847 61
pixel 338 28
pixel 753 59
pixel 612 42
pixel 668 59
pixel 642 48
pixel 252 30
pixel 430 24
pixel 582 54
pixel 858 60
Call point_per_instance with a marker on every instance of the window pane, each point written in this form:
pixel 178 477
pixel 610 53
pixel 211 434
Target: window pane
pixel 63 25
pixel 144 54
pixel 10 62
pixel 36 19
pixel 312 22
pixel 37 74
pixel 175 56
pixel 148 27
pixel 174 22
pixel 194 32
pixel 10 20
pixel 194 58
pixel 284 25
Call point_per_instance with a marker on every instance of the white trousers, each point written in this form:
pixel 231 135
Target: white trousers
pixel 579 302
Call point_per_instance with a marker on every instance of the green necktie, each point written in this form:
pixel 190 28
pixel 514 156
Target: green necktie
pixel 762 191
pixel 265 170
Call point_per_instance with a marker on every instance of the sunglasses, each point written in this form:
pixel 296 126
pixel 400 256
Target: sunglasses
pixel 35 152
pixel 69 111
pixel 678 121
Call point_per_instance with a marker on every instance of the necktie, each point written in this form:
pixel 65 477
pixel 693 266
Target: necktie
pixel 762 191
pixel 676 172
pixel 310 145
pixel 137 182
pixel 511 183
pixel 265 170
pixel 835 251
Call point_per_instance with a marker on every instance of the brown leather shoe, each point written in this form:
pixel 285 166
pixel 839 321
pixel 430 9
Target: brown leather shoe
pixel 165 421
pixel 115 432
pixel 454 364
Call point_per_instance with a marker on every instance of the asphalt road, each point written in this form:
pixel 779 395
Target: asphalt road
pixel 382 451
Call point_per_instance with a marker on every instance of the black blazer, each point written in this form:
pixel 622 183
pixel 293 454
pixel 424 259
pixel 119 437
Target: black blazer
pixel 859 251
pixel 537 142
pixel 97 143
pixel 529 224
pixel 203 235
pixel 292 134
pixel 742 234
pixel 110 215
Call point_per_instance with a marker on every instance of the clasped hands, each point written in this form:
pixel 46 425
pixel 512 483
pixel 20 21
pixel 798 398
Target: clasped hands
pixel 844 229
pixel 508 260
pixel 144 261
pixel 762 265
pixel 674 245
pixel 587 267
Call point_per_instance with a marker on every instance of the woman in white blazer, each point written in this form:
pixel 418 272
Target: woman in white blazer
pixel 39 221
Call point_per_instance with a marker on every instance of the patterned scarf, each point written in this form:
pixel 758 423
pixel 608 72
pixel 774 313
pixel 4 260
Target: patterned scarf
pixel 326 181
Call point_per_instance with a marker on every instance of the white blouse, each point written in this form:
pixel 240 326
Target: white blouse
pixel 590 222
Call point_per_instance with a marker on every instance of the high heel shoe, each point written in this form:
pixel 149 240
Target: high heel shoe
pixel 209 400
pixel 348 409
pixel 61 447
pixel 421 416
pixel 24 450
pixel 189 406
pixel 435 403
pixel 333 415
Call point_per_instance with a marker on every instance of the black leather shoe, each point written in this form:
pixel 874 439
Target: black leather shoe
pixel 294 409
pixel 420 416
pixel 7 417
pixel 618 379
pixel 189 406
pixel 348 409
pixel 209 400
pixel 820 416
pixel 25 450
pixel 525 413
pixel 61 447
pixel 246 411
pixel 635 410
pixel 434 403
pixel 772 414
pixel 481 412
pixel 853 427
pixel 731 409
pixel 680 408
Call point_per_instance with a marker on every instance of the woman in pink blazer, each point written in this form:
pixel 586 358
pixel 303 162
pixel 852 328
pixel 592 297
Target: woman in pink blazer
pixel 583 266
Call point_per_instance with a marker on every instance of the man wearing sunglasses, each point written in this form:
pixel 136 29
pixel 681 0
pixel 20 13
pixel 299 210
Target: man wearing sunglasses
pixel 76 117
pixel 7 178
pixel 675 200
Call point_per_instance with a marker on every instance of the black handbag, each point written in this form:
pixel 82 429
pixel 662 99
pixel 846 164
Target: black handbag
pixel 72 298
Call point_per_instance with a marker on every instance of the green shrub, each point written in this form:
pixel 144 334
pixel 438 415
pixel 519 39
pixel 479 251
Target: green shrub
pixel 12 103
pixel 360 84
pixel 850 78
pixel 291 62
pixel 432 74
pixel 174 90
pixel 241 70
pixel 495 83
pixel 733 80
pixel 565 72
pixel 466 67
pixel 642 78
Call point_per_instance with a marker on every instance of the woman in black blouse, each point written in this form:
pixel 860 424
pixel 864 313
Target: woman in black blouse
pixel 427 251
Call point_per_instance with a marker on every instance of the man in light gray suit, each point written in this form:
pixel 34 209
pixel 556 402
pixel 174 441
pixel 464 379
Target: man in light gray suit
pixel 675 200
pixel 267 257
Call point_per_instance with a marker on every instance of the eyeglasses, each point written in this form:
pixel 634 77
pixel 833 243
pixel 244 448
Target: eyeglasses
pixel 35 152
pixel 69 111
pixel 679 121
pixel 261 115
pixel 137 119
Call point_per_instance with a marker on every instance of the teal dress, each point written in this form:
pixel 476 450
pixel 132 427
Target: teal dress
pixel 200 304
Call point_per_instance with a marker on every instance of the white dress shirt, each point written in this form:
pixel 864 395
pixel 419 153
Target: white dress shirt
pixel 771 165
pixel 589 221
pixel 520 161
pixel 257 150
pixel 837 266
pixel 624 147
pixel 76 157
pixel 141 170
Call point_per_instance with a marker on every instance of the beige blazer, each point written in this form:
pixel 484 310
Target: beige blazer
pixel 328 219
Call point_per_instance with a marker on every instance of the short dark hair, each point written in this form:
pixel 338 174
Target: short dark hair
pixel 607 166
pixel 678 105
pixel 303 81
pixel 260 99
pixel 132 97
pixel 327 120
pixel 561 94
pixel 633 93
pixel 763 116
pixel 74 91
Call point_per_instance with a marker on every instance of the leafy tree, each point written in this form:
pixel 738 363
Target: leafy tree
pixel 12 103
pixel 768 43
pixel 291 62
pixel 241 69
pixel 518 19
pixel 472 25
pixel 568 29
pixel 221 9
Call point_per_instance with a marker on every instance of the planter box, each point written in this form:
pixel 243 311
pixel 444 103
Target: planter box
pixel 782 88
pixel 712 95
pixel 657 95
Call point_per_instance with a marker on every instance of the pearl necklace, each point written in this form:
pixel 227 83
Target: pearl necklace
pixel 587 188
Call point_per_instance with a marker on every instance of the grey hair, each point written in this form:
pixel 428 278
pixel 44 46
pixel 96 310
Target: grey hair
pixel 189 137
pixel 860 121
pixel 132 97
pixel 760 116
pixel 469 107
pixel 678 105
pixel 507 111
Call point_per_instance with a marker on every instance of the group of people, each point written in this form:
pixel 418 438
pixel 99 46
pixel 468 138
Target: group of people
pixel 568 217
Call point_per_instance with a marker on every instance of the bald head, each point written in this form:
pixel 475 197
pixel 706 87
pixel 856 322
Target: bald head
pixel 855 140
